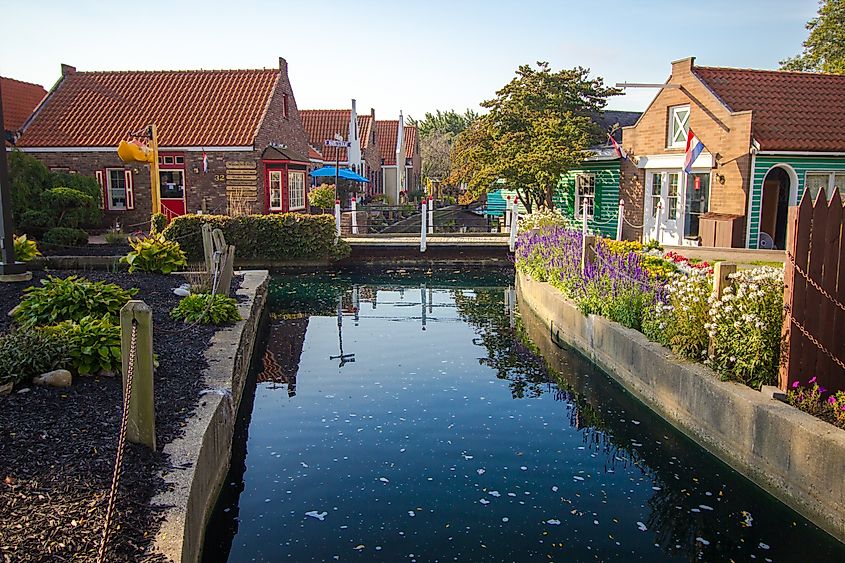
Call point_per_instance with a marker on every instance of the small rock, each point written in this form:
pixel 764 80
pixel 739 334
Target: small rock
pixel 24 390
pixel 106 373
pixel 6 388
pixel 55 378
pixel 13 310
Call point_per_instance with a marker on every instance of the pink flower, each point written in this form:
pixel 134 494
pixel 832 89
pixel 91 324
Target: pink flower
pixel 795 385
pixel 843 407
pixel 831 399
pixel 812 380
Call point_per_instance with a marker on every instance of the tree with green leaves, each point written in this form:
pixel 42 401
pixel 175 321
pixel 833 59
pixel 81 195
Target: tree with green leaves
pixel 824 48
pixel 539 126
pixel 437 134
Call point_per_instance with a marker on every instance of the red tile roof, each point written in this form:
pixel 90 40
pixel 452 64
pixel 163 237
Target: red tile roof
pixel 190 108
pixel 386 131
pixel 314 153
pixel 322 124
pixel 19 100
pixel 798 111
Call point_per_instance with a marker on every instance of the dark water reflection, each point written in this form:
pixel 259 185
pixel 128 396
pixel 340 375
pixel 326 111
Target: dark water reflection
pixel 404 419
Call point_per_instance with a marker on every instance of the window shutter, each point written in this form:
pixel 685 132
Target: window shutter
pixel 102 181
pixel 130 192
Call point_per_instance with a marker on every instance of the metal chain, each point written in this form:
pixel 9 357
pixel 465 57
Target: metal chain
pixel 816 342
pixel 121 442
pixel 812 282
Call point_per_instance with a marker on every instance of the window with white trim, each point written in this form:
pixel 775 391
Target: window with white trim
pixel 585 193
pixel 656 190
pixel 116 178
pixel 275 190
pixel 814 182
pixel 672 196
pixel 296 190
pixel 678 126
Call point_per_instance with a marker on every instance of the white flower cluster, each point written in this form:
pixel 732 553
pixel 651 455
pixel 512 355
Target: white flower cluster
pixel 542 217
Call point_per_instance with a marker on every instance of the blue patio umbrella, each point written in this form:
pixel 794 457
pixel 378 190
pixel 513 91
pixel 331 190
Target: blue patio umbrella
pixel 342 173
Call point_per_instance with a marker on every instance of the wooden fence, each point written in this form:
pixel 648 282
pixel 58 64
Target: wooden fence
pixel 814 296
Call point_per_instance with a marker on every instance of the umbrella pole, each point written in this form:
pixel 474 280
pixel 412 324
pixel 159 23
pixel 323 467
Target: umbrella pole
pixel 336 169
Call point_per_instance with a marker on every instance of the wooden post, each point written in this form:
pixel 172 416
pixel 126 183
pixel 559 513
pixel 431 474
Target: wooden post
pixel 140 427
pixel 207 247
pixel 588 251
pixel 227 267
pixel 721 280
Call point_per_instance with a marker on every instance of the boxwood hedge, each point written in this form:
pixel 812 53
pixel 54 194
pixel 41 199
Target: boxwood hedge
pixel 277 237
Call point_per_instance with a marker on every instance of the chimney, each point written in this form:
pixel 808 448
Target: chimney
pixel 67 70
pixel 683 66
pixel 283 65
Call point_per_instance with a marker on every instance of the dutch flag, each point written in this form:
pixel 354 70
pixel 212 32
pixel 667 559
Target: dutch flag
pixel 694 148
pixel 204 162
pixel 619 150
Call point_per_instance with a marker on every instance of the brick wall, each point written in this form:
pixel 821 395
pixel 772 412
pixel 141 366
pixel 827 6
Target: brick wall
pixel 725 134
pixel 276 128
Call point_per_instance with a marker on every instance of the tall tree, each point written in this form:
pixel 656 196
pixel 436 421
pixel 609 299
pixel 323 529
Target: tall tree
pixel 437 133
pixel 538 127
pixel 824 49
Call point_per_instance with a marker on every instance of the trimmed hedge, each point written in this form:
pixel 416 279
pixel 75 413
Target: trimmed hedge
pixel 278 237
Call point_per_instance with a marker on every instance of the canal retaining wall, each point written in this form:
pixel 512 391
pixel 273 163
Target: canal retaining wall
pixel 199 460
pixel 794 456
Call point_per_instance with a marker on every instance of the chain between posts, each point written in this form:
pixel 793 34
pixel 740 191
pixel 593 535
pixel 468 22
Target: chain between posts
pixel 816 342
pixel 121 444
pixel 811 281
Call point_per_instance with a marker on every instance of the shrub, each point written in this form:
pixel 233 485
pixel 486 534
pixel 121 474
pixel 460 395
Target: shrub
pixel 25 249
pixel 35 221
pixel 93 344
pixel 277 237
pixel 115 237
pixel 27 353
pixel 322 196
pixel 540 218
pixel 204 308
pixel 154 254
pixel 679 318
pixel 65 236
pixel 158 222
pixel 70 299
pixel 63 200
pixel 746 325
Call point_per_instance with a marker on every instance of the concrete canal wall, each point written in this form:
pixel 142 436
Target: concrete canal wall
pixel 794 456
pixel 200 458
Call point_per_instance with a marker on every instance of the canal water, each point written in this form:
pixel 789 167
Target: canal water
pixel 410 418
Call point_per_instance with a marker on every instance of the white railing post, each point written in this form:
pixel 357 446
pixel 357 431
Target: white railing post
pixel 430 215
pixel 584 217
pixel 337 216
pixel 514 228
pixel 354 214
pixel 620 219
pixel 508 213
pixel 423 229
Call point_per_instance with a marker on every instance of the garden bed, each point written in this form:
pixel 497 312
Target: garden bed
pixel 57 446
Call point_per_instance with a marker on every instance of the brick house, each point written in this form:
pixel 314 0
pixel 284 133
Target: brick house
pixel 362 156
pixel 19 101
pixel 398 144
pixel 768 135
pixel 245 121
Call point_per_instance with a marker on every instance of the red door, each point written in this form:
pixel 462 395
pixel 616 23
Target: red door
pixel 172 184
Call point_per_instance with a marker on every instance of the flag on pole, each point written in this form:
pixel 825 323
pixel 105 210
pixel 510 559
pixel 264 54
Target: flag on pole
pixel 619 150
pixel 694 148
pixel 204 162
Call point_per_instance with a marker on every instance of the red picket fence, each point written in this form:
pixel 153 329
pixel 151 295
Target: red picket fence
pixel 814 297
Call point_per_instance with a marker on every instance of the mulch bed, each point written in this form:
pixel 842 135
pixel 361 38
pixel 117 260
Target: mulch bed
pixel 87 250
pixel 57 446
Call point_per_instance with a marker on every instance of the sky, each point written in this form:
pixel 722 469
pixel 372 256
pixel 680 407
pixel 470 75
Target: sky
pixel 410 56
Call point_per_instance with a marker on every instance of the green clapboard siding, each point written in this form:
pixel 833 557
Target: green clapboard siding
pixel 801 165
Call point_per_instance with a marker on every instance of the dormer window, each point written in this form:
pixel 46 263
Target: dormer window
pixel 678 127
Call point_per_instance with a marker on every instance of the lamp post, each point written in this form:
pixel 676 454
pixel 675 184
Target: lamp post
pixel 10 269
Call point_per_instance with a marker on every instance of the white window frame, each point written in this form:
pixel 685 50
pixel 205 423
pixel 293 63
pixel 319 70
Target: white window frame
pixel 110 205
pixel 673 202
pixel 831 181
pixel 281 190
pixel 580 197
pixel 296 187
pixel 672 140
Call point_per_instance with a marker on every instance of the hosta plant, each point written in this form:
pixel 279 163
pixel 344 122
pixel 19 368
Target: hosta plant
pixel 70 299
pixel 205 308
pixel 154 254
pixel 27 353
pixel 93 344
pixel 25 249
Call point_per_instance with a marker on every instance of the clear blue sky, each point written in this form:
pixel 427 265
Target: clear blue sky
pixel 414 56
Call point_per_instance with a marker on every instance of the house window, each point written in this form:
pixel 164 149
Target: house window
pixel 678 126
pixel 656 187
pixel 672 197
pixel 179 159
pixel 585 186
pixel 116 189
pixel 275 190
pixel 172 183
pixel 296 190
pixel 814 182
